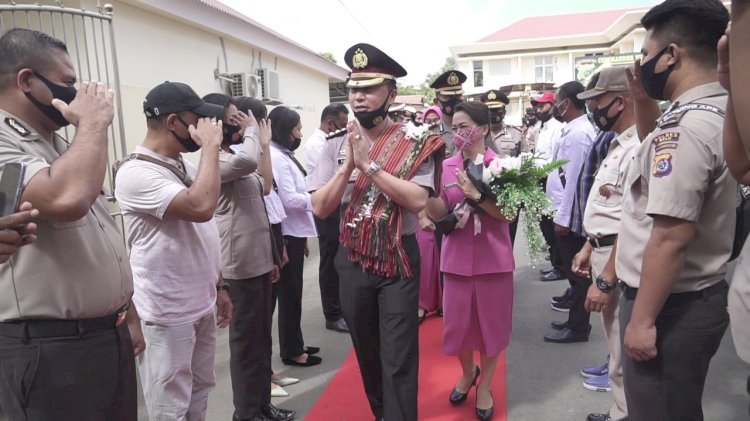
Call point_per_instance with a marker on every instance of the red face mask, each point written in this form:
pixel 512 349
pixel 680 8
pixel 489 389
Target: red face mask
pixel 466 136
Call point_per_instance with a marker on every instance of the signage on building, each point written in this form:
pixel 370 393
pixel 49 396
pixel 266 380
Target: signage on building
pixel 588 65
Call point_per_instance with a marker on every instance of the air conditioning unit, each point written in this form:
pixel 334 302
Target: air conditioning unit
pixel 244 84
pixel 269 82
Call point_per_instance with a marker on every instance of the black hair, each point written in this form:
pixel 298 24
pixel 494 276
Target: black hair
pixel 477 111
pixel 695 25
pixel 332 111
pixel 255 106
pixel 570 90
pixel 283 121
pixel 24 48
pixel 221 100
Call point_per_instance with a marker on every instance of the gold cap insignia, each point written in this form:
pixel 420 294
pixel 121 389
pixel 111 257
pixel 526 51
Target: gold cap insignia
pixel 359 59
pixel 491 96
pixel 452 79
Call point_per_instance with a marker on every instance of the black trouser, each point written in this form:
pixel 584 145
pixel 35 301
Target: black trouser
pixel 279 241
pixel 291 343
pixel 548 231
pixel 382 317
pixel 328 278
pixel 513 229
pixel 688 333
pixel 250 345
pixel 85 376
pixel 578 317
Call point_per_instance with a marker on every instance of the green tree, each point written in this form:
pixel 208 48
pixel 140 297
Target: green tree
pixel 328 56
pixel 424 89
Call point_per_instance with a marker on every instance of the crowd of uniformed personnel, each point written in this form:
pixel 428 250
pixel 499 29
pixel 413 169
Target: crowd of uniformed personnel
pixel 643 225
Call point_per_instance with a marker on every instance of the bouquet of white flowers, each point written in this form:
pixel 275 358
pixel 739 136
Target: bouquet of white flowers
pixel 514 182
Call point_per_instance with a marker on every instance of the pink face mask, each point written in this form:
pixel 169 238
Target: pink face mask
pixel 466 136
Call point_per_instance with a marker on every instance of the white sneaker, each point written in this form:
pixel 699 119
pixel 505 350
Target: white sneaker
pixel 283 381
pixel 278 391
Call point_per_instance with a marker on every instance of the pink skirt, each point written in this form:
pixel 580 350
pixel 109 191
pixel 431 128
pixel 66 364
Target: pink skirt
pixel 477 312
pixel 430 295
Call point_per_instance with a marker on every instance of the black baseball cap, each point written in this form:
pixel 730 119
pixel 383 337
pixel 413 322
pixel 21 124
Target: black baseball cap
pixel 174 97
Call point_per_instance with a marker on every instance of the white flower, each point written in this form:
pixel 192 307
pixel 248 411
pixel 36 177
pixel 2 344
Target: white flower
pixel 414 132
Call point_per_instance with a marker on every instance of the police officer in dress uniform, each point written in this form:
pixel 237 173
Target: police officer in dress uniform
pixel 677 219
pixel 449 93
pixel 506 140
pixel 383 174
pixel 65 351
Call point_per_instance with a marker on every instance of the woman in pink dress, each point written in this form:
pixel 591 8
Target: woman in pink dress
pixel 430 292
pixel 476 261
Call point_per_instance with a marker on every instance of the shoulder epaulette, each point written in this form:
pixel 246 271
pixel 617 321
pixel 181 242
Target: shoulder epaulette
pixel 672 117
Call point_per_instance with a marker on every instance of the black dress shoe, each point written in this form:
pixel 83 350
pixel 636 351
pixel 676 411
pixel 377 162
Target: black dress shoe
pixel 458 397
pixel 486 414
pixel 565 336
pixel 553 275
pixel 545 271
pixel 598 417
pixel 312 350
pixel 560 298
pixel 277 414
pixel 337 325
pixel 311 361
pixel 560 325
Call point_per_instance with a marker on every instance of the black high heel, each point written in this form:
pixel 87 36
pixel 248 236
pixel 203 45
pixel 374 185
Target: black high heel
pixel 458 397
pixel 422 317
pixel 486 414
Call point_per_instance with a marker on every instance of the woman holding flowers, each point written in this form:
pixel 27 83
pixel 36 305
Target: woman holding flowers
pixel 476 261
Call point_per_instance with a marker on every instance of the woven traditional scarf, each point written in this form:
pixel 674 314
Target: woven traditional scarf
pixel 374 240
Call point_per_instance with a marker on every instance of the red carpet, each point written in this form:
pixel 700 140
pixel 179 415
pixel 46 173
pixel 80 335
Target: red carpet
pixel 344 398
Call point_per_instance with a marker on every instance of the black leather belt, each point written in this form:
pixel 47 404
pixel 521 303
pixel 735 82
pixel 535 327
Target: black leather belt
pixel 50 328
pixel 606 241
pixel 681 297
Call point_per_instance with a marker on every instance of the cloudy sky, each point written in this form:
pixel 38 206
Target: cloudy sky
pixel 417 34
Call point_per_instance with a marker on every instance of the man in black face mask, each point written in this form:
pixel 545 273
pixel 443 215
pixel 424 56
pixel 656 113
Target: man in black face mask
pixel 63 297
pixel 448 91
pixel 600 192
pixel 506 140
pixel 677 216
pixel 168 207
pixel 531 126
pixel 379 256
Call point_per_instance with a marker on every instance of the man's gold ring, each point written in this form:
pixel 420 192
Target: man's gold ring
pixel 357 137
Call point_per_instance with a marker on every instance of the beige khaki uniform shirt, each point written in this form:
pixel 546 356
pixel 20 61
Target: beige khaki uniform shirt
pixel 604 204
pixel 507 142
pixel 679 171
pixel 529 137
pixel 73 270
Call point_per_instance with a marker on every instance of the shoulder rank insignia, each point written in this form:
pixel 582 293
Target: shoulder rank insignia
pixel 662 165
pixel 671 118
pixel 17 127
pixel 667 140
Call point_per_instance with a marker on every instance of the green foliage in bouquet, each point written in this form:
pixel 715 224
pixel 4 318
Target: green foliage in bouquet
pixel 518 188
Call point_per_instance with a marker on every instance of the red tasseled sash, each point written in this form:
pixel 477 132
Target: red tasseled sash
pixel 375 242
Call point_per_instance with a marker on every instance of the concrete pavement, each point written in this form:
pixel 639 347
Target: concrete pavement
pixel 543 379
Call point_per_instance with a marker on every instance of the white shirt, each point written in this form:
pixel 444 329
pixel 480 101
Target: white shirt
pixel 547 139
pixel 311 151
pixel 176 264
pixel 292 191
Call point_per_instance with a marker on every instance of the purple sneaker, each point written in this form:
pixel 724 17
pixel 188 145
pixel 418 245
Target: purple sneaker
pixel 598 384
pixel 599 370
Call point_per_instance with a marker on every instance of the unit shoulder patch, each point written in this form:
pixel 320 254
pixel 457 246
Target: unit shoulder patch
pixel 662 165
pixel 666 140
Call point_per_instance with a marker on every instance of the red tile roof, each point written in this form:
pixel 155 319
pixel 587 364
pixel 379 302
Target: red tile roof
pixel 558 26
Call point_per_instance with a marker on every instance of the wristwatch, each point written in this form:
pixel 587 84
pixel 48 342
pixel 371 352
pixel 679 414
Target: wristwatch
pixel 372 169
pixel 222 287
pixel 604 285
pixel 482 197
